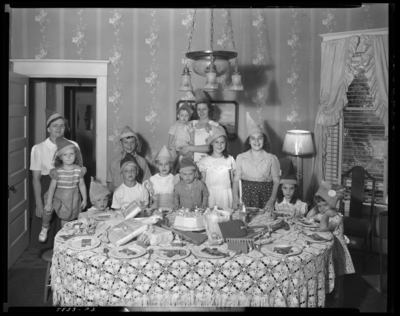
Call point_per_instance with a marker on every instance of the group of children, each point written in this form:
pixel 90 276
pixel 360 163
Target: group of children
pixel 217 179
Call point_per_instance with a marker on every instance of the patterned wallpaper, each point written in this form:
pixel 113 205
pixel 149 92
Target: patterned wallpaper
pixel 146 51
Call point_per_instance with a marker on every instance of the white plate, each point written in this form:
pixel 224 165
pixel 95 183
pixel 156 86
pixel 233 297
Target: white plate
pixel 197 252
pixel 270 249
pixel 307 236
pixel 76 243
pixel 304 223
pixel 103 216
pixel 118 254
pixel 188 229
pixel 161 253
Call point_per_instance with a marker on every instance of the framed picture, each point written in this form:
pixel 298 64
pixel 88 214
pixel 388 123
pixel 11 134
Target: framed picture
pixel 225 113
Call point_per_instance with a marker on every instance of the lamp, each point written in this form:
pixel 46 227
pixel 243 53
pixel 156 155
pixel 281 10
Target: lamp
pixel 210 63
pixel 298 143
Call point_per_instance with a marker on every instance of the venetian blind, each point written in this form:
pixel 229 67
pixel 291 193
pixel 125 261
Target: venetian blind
pixel 332 158
pixel 364 138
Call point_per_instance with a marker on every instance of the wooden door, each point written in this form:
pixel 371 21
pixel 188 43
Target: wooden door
pixel 18 171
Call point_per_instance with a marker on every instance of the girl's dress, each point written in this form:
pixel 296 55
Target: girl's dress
pixel 163 190
pixel 42 160
pixel 218 179
pixel 200 136
pixel 342 258
pixel 67 198
pixel 299 209
pixel 257 177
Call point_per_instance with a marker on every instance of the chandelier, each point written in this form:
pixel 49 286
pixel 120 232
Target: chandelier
pixel 211 63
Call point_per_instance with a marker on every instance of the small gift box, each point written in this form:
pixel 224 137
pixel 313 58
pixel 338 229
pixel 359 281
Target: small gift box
pixel 156 235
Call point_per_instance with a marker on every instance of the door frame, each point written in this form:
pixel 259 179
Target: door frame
pixel 63 68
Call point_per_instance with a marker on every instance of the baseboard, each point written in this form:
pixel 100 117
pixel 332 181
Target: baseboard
pixel 356 242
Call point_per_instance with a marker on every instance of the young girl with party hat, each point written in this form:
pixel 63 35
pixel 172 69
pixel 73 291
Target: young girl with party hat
pixel 326 199
pixel 257 169
pixel 161 185
pixel 288 202
pixel 66 182
pixel 217 169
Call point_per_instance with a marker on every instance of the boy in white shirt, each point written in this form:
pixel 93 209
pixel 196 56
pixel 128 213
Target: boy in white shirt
pixel 130 190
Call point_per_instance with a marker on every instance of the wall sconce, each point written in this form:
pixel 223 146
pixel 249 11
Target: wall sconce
pixel 210 63
pixel 298 143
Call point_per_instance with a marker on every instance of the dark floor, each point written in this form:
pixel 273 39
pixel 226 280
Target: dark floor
pixel 26 284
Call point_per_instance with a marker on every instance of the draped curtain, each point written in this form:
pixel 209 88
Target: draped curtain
pixel 336 76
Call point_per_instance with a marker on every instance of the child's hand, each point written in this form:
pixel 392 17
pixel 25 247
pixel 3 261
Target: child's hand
pixel 83 204
pixel 235 204
pixel 48 208
pixel 191 143
pixel 269 206
pixel 330 213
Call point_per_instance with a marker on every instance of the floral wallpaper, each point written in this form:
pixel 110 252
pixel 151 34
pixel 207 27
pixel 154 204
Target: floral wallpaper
pixel 78 39
pixel 330 20
pixel 111 34
pixel 293 80
pixel 153 82
pixel 115 94
pixel 259 61
pixel 44 44
pixel 369 23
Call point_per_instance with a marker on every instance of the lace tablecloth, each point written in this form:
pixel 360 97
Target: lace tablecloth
pixel 89 278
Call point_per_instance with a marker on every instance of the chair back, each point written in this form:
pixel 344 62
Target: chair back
pixel 358 175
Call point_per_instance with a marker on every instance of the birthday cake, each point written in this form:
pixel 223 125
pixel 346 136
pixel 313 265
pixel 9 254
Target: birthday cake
pixel 189 220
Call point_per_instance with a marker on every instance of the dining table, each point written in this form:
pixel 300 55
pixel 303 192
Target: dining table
pixel 259 278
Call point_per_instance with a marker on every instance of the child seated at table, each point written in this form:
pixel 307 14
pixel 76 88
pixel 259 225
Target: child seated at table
pixel 326 198
pixel 190 191
pixel 161 185
pixel 99 196
pixel 130 190
pixel 288 202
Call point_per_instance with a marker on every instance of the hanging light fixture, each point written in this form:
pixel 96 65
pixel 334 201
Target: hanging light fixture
pixel 212 64
pixel 186 84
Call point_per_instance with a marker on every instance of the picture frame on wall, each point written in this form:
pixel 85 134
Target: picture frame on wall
pixel 225 113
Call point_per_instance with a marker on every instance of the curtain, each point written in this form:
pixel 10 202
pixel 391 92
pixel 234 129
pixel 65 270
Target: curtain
pixel 336 76
pixel 375 58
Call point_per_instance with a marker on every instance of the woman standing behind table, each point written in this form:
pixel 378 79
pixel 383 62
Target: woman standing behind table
pixel 42 156
pixel 258 170
pixel 204 110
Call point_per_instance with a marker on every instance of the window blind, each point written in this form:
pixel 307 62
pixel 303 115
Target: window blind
pixel 364 137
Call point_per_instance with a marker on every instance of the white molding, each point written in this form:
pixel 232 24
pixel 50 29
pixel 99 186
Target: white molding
pixel 63 68
pixel 338 35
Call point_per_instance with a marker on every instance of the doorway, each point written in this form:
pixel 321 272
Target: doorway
pixel 80 111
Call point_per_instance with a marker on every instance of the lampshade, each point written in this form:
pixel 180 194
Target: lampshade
pixel 186 84
pixel 298 143
pixel 236 82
